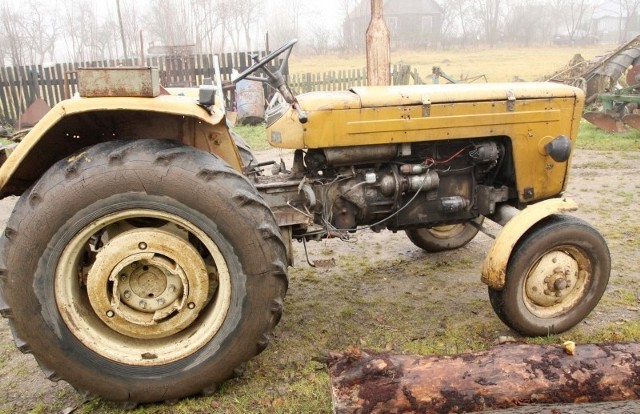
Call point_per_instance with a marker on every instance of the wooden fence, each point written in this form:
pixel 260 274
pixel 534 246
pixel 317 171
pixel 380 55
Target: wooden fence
pixel 340 80
pixel 21 86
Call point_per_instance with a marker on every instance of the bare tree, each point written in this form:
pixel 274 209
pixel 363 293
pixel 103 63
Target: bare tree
pixel 207 20
pixel 132 20
pixel 320 38
pixel 572 15
pixel 10 31
pixel 461 21
pixel 346 38
pixel 78 23
pixel 519 24
pixel 283 22
pixel 241 16
pixel 40 31
pixel 488 11
pixel 171 22
pixel 628 17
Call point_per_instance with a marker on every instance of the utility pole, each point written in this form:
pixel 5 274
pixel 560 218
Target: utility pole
pixel 378 40
pixel 124 43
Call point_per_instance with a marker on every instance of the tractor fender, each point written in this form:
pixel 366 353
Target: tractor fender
pixel 78 123
pixel 494 268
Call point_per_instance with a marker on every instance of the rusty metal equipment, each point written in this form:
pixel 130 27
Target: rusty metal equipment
pixel 609 105
pixel 437 73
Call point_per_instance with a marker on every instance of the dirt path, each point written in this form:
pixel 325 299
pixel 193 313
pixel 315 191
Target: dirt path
pixel 443 292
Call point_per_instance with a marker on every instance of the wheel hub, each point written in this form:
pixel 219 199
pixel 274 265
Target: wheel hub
pixel 552 279
pixel 148 286
pixel 148 283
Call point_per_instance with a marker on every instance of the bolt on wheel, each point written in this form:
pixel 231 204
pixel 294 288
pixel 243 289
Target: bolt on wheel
pixel 557 282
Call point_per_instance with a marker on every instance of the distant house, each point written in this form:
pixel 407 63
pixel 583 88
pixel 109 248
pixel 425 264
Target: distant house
pixel 411 23
pixel 609 21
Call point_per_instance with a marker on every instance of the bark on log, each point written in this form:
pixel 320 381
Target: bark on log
pixel 501 377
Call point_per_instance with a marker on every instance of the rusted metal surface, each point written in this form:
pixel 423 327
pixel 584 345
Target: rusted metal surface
pixel 146 284
pixel 35 112
pixel 136 291
pixel 287 216
pixel 250 102
pixel 604 121
pixel 599 79
pixel 136 82
pixel 557 282
pixel 633 120
pixel 633 75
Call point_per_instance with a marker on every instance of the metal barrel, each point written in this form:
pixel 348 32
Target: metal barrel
pixel 250 102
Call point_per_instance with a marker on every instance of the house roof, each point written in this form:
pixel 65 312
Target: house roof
pixel 398 7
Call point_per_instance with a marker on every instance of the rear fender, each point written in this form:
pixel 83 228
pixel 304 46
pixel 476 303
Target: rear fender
pixel 82 122
pixel 494 268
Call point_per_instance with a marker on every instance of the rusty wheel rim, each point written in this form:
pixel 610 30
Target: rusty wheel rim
pixel 557 282
pixel 446 231
pixel 152 292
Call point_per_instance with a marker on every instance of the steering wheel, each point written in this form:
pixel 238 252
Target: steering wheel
pixel 276 78
pixel 272 77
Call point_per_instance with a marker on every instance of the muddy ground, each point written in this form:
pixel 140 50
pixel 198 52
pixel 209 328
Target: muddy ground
pixel 385 293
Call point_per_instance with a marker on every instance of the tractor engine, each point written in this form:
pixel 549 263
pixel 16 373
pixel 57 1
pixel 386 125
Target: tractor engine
pixel 401 186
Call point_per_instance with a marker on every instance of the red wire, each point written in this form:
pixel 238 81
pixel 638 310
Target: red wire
pixel 454 155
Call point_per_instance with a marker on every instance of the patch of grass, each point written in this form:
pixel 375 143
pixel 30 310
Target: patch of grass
pixel 592 138
pixel 40 408
pixel 596 165
pixel 256 136
pixel 620 297
pixel 620 331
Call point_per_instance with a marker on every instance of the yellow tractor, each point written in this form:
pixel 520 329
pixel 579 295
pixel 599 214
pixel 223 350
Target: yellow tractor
pixel 146 258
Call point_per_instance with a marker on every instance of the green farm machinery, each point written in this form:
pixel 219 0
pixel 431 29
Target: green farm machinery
pixel 612 86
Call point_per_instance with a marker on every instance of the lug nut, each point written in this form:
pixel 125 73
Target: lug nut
pixel 142 245
pixel 560 284
pixel 191 305
pixel 143 304
pixel 160 301
pixel 127 294
pixel 110 314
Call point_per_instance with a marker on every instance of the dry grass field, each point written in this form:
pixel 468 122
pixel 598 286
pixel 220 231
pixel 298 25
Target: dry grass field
pixel 499 64
pixel 386 294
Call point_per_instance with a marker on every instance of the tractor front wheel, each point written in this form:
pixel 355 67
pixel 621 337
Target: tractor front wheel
pixel 556 275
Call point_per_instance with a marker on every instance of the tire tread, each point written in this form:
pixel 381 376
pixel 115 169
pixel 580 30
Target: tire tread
pixel 168 154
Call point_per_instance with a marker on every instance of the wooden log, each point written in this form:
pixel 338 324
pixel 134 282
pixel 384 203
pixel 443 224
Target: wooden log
pixel 501 377
pixel 610 407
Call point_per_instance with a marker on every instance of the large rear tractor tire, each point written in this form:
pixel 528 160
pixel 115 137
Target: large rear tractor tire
pixel 441 238
pixel 556 275
pixel 142 271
